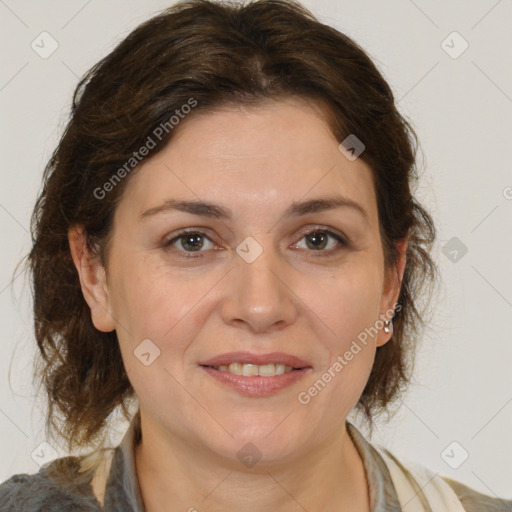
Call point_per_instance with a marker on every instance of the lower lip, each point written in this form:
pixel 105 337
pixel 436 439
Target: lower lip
pixel 256 385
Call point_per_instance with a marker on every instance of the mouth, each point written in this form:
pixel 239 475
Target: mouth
pixel 256 375
pixel 255 370
pixel 251 365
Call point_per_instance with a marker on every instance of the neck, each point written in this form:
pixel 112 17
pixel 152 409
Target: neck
pixel 330 477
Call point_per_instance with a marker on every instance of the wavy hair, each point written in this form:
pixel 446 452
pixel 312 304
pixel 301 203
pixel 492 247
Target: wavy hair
pixel 218 54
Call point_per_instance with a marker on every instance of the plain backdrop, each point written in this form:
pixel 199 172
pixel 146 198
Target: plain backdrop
pixel 460 104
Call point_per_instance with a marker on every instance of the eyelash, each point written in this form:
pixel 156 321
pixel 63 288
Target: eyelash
pixel 197 254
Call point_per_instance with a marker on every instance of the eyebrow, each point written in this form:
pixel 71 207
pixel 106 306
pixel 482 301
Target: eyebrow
pixel 296 209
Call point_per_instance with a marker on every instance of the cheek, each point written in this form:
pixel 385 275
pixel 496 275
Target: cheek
pixel 149 300
pixel 349 303
pixel 167 308
pixel 154 332
pixel 350 309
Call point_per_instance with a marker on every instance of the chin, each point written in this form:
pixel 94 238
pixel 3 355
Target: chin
pixel 268 444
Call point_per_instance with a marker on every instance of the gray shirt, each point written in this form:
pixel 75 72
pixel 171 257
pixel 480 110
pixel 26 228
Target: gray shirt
pixel 54 488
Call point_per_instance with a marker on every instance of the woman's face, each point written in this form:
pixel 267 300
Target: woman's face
pixel 264 270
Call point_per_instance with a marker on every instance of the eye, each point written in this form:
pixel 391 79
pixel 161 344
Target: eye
pixel 317 240
pixel 189 242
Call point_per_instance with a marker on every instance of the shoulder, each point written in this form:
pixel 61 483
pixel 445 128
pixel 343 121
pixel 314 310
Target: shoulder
pixel 474 501
pixel 52 489
pixel 426 486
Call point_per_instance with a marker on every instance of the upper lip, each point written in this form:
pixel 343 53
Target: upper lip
pixel 259 359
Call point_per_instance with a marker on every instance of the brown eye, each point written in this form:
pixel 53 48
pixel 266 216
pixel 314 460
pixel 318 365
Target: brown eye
pixel 192 241
pixel 319 240
pixel 188 242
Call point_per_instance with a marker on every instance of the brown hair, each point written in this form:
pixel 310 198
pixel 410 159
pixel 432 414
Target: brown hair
pixel 215 54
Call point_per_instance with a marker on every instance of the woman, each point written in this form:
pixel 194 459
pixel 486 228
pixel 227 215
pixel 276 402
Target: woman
pixel 226 242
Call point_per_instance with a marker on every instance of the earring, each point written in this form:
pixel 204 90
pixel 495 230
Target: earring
pixel 388 326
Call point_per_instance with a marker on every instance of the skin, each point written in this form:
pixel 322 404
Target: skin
pixel 255 161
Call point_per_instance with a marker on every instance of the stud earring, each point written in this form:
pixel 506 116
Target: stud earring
pixel 388 326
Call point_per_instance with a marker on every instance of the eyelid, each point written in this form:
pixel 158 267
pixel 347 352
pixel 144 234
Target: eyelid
pixel 326 229
pixel 185 231
pixel 343 240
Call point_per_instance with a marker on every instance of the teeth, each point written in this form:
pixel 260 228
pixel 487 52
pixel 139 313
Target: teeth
pixel 252 370
pixel 249 370
pixel 267 370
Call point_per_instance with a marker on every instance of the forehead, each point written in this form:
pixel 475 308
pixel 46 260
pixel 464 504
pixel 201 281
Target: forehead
pixel 253 157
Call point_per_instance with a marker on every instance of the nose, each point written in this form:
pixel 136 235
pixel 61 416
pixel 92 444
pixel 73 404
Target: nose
pixel 259 295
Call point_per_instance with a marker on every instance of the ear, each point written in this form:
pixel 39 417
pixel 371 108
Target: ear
pixel 393 284
pixel 92 280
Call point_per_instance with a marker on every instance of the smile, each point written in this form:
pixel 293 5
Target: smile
pixel 253 370
pixel 256 384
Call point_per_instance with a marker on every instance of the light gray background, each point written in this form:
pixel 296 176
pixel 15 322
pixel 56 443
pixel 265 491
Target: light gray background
pixel 462 111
